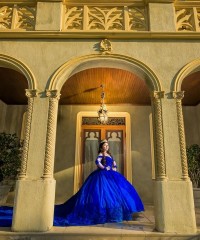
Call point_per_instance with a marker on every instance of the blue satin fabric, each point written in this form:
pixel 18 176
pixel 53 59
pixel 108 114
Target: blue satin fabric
pixel 6 214
pixel 105 196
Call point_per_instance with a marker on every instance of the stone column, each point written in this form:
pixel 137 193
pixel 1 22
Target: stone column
pixel 178 96
pixel 173 195
pixel 51 133
pixel 35 190
pixel 30 93
pixel 160 170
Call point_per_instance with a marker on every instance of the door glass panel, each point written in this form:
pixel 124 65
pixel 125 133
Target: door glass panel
pixel 91 145
pixel 115 140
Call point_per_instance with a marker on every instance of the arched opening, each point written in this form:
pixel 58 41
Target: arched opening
pixel 111 61
pixel 191 108
pixel 189 81
pixel 15 78
pixel 13 104
pixel 127 90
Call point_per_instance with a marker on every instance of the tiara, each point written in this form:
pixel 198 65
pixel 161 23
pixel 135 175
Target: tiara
pixel 104 141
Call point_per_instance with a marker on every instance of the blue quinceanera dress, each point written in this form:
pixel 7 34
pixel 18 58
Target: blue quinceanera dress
pixel 106 196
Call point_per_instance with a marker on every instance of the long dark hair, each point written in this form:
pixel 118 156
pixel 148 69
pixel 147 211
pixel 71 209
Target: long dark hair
pixel 103 161
pixel 101 145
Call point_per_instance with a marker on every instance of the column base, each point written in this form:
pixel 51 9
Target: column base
pixel 34 205
pixel 174 207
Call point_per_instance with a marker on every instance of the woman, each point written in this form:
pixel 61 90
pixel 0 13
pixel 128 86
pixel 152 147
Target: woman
pixel 106 196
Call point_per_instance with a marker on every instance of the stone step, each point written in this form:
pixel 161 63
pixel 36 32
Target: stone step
pixel 94 233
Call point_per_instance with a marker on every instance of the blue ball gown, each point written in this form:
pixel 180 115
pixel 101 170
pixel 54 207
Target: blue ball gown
pixel 106 196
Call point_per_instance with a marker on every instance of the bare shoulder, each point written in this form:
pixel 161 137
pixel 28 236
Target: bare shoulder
pixel 108 155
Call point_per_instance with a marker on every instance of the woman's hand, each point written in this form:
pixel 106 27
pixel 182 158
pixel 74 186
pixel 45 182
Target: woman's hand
pixel 108 168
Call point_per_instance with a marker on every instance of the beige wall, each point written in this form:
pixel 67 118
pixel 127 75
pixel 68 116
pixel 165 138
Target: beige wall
pixel 159 56
pixel 164 57
pixel 140 148
pixel 43 57
pixel 3 115
pixel 192 124
pixel 140 145
pixel 14 119
pixel 11 118
pixel 198 120
pixel 66 139
pixel 154 57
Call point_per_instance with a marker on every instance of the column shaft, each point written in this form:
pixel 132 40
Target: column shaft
pixel 178 96
pixel 30 94
pixel 51 133
pixel 158 130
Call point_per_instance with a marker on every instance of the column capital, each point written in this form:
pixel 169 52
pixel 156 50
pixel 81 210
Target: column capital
pixel 30 93
pixel 178 95
pixel 53 94
pixel 157 94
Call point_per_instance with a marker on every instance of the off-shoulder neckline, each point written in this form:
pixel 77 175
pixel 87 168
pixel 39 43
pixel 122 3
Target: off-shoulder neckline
pixel 107 155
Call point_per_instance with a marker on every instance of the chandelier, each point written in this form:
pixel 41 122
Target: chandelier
pixel 102 113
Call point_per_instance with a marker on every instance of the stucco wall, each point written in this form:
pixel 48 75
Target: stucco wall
pixel 198 119
pixel 140 148
pixel 66 139
pixel 43 57
pixel 3 115
pixel 14 117
pixel 11 118
pixel 158 59
pixel 192 124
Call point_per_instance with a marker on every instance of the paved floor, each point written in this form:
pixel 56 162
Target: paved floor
pixel 141 228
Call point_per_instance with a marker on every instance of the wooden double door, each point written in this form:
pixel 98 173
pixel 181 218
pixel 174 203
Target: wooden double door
pixel 92 136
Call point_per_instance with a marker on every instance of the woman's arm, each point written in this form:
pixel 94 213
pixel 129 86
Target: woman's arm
pixel 100 165
pixel 98 162
pixel 114 166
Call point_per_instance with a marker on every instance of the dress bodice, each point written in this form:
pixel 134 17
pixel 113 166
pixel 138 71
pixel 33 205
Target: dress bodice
pixel 105 161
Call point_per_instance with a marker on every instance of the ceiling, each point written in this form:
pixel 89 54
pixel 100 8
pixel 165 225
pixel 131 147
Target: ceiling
pixel 191 86
pixel 120 87
pixel 12 87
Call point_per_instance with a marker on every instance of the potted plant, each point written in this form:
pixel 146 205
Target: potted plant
pixel 193 156
pixel 10 162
